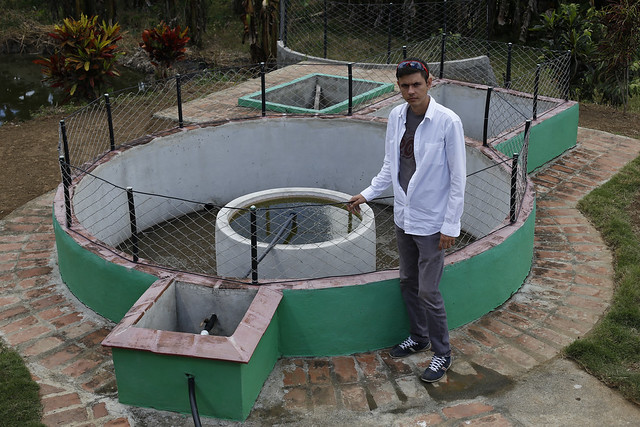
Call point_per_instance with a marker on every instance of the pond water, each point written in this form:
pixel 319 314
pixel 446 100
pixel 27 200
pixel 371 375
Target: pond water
pixel 22 91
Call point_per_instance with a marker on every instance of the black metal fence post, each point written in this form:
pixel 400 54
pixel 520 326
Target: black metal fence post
pixel 66 182
pixel 536 85
pixel 134 226
pixel 65 142
pixel 112 140
pixel 179 93
pixel 326 25
pixel 285 21
pixel 254 245
pixel 389 34
pixel 514 188
pixel 444 16
pixel 263 89
pixel 442 53
pixel 567 77
pixel 507 77
pixel 404 52
pixel 487 105
pixel 350 71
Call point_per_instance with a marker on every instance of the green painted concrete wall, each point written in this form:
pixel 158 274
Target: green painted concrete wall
pixel 108 289
pixel 550 138
pixel 341 320
pixel 223 389
pixel 352 319
pixel 482 283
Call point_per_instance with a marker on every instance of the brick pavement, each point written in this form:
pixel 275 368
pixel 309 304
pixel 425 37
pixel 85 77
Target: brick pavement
pixel 567 292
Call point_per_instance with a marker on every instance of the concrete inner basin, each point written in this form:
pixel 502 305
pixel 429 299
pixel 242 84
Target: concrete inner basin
pixel 335 243
pixel 316 93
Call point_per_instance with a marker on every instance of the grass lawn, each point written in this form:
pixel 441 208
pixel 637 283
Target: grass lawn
pixel 611 351
pixel 19 400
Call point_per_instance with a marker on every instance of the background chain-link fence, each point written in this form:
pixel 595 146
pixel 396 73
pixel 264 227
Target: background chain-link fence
pixel 519 84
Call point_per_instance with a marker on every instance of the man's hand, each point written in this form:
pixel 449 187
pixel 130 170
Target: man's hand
pixel 446 241
pixel 354 203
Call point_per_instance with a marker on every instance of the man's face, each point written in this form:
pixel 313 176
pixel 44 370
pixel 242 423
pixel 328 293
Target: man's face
pixel 414 90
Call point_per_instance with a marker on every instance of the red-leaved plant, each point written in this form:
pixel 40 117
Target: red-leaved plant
pixel 165 46
pixel 84 58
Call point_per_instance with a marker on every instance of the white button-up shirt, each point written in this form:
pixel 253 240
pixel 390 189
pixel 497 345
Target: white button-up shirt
pixel 434 200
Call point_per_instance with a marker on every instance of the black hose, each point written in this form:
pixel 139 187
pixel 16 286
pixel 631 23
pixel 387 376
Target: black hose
pixel 192 401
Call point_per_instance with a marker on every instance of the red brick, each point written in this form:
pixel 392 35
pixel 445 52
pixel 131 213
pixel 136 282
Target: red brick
pixel 419 420
pixel 498 327
pixel 77 330
pixel 12 312
pixel 101 382
pixel 295 398
pixel 27 335
pixel 8 300
pixel 65 417
pixel 62 401
pixel 345 369
pixel 48 302
pixel 47 389
pixel 95 338
pixel 517 356
pixel 483 336
pixel 554 338
pixel 536 346
pixel 118 422
pixel 51 313
pixel 67 320
pixel 19 324
pixel 99 410
pixel 383 393
pixel 33 272
pixel 323 395
pixel 42 346
pixel 587 303
pixel 80 367
pixel 370 366
pixel 466 410
pixel 294 374
pixel 354 397
pixel 396 366
pixel 465 345
pixel 319 372
pixel 61 357
pixel 492 420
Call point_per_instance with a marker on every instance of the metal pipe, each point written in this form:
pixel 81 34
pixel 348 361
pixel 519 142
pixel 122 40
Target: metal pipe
pixel 133 224
pixel 263 89
pixel 179 93
pixel 389 34
pixel 192 400
pixel 326 24
pixel 65 143
pixel 507 78
pixel 442 53
pixel 254 245
pixel 487 105
pixel 536 85
pixel 272 243
pixel 514 187
pixel 404 52
pixel 66 182
pixel 112 143
pixel 350 68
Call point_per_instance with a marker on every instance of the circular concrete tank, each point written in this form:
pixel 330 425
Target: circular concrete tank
pixel 347 251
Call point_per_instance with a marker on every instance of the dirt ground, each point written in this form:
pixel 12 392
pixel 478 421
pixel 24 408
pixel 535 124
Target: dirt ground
pixel 29 156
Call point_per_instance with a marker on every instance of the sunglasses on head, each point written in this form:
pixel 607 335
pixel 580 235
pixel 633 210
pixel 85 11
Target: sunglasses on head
pixel 413 64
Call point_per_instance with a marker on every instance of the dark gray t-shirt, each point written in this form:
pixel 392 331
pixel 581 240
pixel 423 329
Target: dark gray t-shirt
pixel 407 159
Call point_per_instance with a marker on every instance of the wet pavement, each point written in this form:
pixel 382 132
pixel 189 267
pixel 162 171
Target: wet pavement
pixel 508 368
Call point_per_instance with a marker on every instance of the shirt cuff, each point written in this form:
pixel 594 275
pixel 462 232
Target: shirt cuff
pixel 452 230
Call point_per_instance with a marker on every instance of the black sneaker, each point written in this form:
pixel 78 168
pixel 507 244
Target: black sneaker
pixel 437 368
pixel 407 347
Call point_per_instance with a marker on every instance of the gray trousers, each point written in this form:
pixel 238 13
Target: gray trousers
pixel 421 265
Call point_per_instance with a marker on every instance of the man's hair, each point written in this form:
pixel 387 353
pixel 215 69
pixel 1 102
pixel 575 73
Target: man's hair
pixel 412 66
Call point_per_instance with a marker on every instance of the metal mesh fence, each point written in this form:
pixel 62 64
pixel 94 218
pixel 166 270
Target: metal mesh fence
pixel 519 83
pixel 353 31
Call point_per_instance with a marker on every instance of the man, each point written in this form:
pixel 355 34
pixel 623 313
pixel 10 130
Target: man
pixel 425 162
